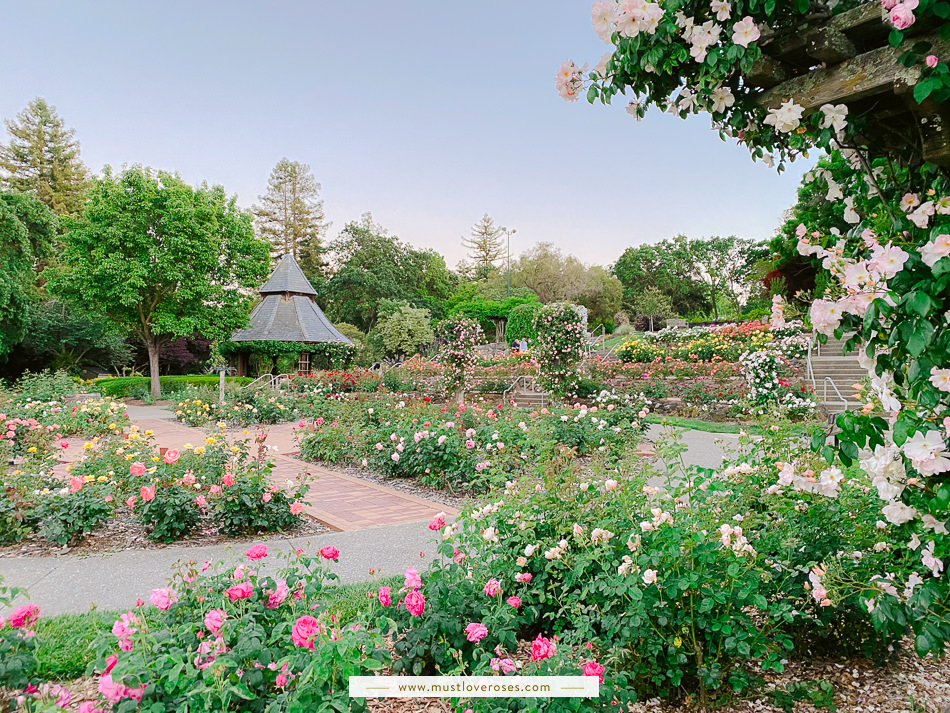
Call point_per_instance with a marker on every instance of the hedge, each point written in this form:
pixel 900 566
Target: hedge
pixel 121 386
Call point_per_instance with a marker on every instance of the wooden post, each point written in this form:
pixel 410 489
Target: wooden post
pixel 221 385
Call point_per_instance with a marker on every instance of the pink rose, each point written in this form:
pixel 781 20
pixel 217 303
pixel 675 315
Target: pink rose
pixel 200 501
pixel 228 480
pixel 503 665
pixel 305 629
pixel 163 598
pixel 240 591
pixel 171 457
pixel 932 60
pixel 277 596
pixel 75 484
pixel 147 492
pixel 214 619
pixel 542 648
pixel 385 598
pixel 413 580
pixel 137 469
pixel 130 502
pixel 88 707
pixel 415 602
pixel 438 522
pixel 902 15
pixel 475 632
pixel 296 508
pixel 492 587
pixel 281 680
pixel 514 601
pixel 23 616
pixel 256 552
pixel 266 497
pixel 115 692
pixel 330 553
pixel 523 577
pixel 592 668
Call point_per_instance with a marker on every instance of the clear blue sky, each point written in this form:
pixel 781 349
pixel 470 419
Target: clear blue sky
pixel 426 113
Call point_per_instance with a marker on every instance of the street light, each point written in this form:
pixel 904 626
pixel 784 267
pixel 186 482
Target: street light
pixel 509 233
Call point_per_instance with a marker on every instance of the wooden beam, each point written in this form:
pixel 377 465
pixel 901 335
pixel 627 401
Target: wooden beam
pixel 866 75
pixel 858 16
pixel 766 72
pixel 829 46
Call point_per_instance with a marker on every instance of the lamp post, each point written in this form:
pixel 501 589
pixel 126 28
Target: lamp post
pixel 509 233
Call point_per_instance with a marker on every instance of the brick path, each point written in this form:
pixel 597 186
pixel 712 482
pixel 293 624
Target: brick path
pixel 339 501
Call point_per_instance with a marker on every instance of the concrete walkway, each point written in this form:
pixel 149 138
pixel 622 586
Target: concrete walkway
pixel 73 584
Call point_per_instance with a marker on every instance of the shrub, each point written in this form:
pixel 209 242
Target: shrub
pixel 406 330
pixel 45 386
pixel 121 386
pixel 170 515
pixel 17 643
pixel 559 347
pixel 460 336
pixel 67 516
pixel 521 322
pixel 235 638
pixel 251 506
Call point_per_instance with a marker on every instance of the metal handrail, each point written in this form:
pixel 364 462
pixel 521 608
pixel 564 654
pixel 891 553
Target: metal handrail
pixel 810 370
pixel 266 381
pixel 824 393
pixel 528 381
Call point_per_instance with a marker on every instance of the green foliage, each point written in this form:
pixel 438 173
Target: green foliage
pixel 652 304
pixel 66 517
pixel 290 215
pixel 372 266
pixel 406 330
pixel 123 386
pixel 251 506
pixel 64 643
pixel 162 259
pixel 521 322
pixel 17 651
pixel 44 386
pixel 171 515
pixel 671 267
pixel 27 231
pixel 490 313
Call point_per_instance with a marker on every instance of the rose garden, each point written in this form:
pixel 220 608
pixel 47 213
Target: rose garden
pixel 686 514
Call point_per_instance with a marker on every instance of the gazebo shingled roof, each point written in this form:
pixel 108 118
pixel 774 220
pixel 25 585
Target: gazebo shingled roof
pixel 288 312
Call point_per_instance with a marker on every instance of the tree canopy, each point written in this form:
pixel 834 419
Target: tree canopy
pixel 162 259
pixel 27 230
pixel 42 158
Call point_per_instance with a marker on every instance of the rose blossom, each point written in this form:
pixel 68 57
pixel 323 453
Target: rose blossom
pixel 415 602
pixel 214 619
pixel 385 598
pixel 304 631
pixel 137 469
pixel 256 552
pixel 475 632
pixel 542 648
pixel 932 60
pixel 503 665
pixel 492 587
pixel 240 591
pixel 147 492
pixel 163 598
pixel 296 508
pixel 23 616
pixel 438 522
pixel 514 601
pixel 523 577
pixel 171 457
pixel 277 596
pixel 330 553
pixel 413 580
pixel 592 668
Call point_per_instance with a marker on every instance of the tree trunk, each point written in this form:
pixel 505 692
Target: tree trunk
pixel 156 384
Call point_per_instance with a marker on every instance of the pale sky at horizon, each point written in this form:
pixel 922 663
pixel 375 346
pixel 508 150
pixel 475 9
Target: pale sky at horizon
pixel 426 114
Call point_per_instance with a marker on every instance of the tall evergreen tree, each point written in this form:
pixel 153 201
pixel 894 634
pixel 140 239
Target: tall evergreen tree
pixel 485 245
pixel 42 158
pixel 290 215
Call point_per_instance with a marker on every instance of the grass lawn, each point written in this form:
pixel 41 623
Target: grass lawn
pixel 695 424
pixel 65 641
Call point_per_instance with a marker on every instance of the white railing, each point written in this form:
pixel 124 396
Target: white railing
pixel 593 338
pixel 266 381
pixel 824 393
pixel 529 384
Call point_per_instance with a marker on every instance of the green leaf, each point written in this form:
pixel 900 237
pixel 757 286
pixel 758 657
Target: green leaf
pixel 918 302
pixel 895 38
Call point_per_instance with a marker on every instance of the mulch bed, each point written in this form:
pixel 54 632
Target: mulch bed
pixel 123 533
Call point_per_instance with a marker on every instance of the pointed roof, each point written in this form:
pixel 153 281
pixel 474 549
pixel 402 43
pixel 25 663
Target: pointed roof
pixel 288 312
pixel 287 277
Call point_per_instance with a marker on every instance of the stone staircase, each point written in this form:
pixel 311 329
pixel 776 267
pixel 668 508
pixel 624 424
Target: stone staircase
pixel 831 370
pixel 525 393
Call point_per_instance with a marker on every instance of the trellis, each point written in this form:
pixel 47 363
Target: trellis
pixel 847 59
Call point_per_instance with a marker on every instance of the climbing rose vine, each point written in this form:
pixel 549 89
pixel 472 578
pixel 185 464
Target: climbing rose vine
pixel 559 347
pixel 459 336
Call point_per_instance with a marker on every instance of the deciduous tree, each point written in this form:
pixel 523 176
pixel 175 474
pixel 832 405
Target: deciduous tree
pixel 162 259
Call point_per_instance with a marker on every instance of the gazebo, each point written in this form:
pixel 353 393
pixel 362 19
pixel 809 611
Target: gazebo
pixel 287 320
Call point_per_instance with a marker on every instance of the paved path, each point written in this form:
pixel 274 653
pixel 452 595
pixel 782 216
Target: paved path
pixel 73 584
pixel 339 501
